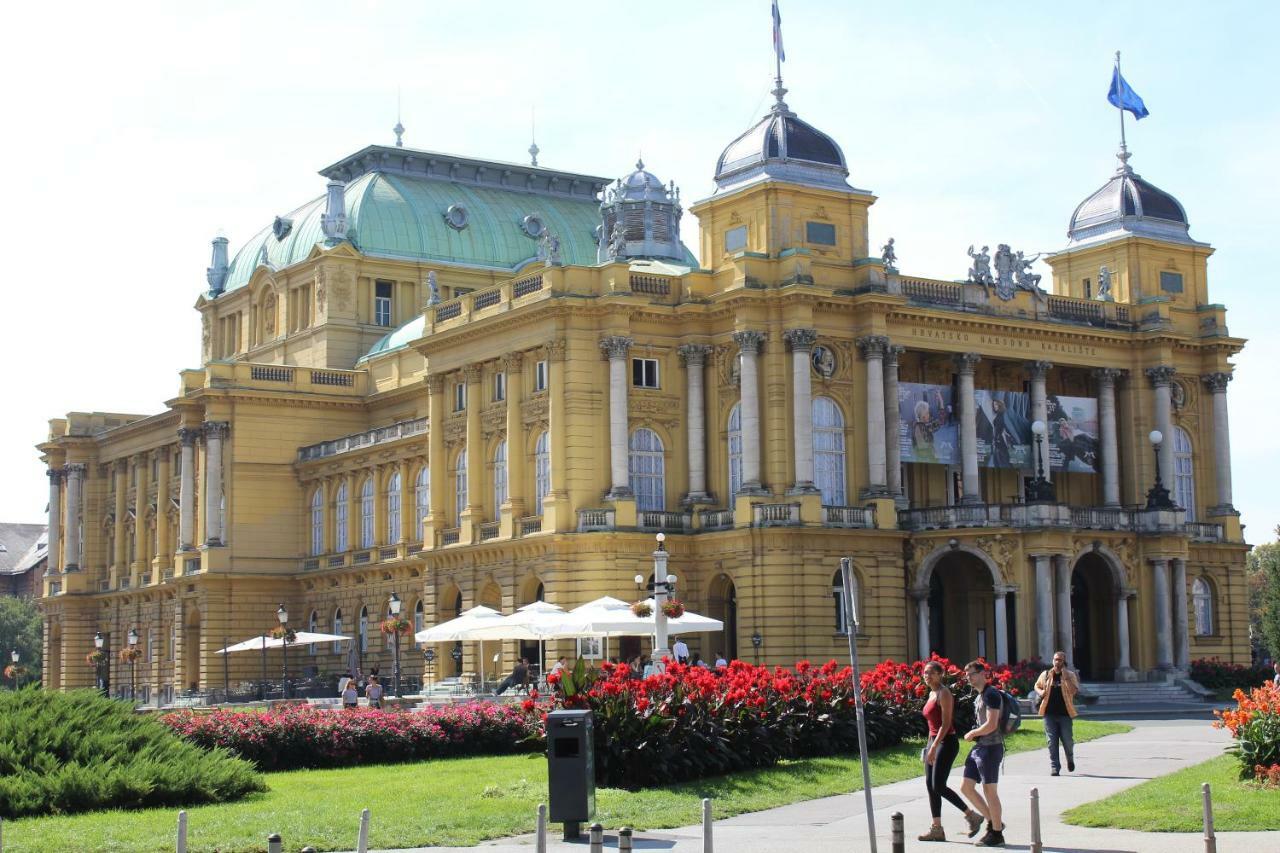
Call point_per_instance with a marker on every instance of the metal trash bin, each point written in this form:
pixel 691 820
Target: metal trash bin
pixel 571 769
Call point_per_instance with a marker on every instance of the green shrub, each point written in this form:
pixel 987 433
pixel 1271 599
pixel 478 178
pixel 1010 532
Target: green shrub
pixel 71 752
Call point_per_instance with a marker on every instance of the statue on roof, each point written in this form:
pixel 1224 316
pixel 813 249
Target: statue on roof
pixel 433 289
pixel 980 272
pixel 1104 286
pixel 549 248
pixel 888 257
pixel 617 241
pixel 1003 263
pixel 1026 279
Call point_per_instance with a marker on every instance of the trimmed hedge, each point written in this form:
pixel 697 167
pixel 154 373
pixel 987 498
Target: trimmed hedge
pixel 1217 674
pixel 62 753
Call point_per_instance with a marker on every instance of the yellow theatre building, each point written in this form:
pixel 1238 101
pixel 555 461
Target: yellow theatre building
pixel 473 382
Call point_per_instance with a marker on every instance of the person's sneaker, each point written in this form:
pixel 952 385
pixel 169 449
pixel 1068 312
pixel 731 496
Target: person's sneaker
pixel 935 833
pixel 991 839
pixel 1053 772
pixel 975 822
pixel 1071 764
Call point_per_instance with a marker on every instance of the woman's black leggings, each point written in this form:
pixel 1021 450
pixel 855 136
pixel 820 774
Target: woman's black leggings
pixel 935 777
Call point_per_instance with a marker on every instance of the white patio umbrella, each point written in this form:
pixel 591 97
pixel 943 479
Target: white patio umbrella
pixel 613 620
pixel 257 644
pixel 537 621
pixel 460 629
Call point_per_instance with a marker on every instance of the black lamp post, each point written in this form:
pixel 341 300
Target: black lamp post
pixel 393 607
pixel 17 677
pixel 1158 496
pixel 98 642
pixel 133 665
pixel 1039 490
pixel 283 615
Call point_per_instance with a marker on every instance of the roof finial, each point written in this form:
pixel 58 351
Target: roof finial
pixel 398 130
pixel 1123 154
pixel 779 57
pixel 533 136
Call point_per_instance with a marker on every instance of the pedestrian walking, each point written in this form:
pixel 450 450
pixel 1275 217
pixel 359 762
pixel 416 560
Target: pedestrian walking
pixel 350 697
pixel 373 692
pixel 983 764
pixel 940 753
pixel 1058 687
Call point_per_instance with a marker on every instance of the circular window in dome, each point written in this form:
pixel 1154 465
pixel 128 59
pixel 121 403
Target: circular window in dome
pixel 456 217
pixel 533 226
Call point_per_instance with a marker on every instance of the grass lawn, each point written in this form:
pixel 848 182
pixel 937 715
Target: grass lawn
pixel 462 801
pixel 1173 803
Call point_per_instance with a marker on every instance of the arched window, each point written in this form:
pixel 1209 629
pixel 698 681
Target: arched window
pixel 340 542
pixel 337 629
pixel 422 499
pixel 541 470
pixel 1184 478
pixel 317 522
pixel 460 487
pixel 312 625
pixel 364 630
pixel 735 450
pixel 1202 602
pixel 648 476
pixel 828 451
pixel 393 509
pixel 419 619
pixel 366 513
pixel 499 476
pixel 837 593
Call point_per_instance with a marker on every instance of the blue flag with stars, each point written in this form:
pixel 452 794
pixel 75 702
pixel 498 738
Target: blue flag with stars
pixel 1123 97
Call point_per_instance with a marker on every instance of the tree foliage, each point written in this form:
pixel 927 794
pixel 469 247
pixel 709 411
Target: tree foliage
pixel 1263 572
pixel 20 631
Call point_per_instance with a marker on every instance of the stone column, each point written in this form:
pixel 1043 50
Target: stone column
pixel 1106 378
pixel 408 502
pixel 801 342
pixel 615 348
pixel 120 476
pixel 475 443
pixel 873 349
pixel 1038 372
pixel 1160 378
pixel 892 426
pixel 436 463
pixel 162 554
pixel 214 433
pixel 1124 665
pixel 921 597
pixel 74 474
pixel 1217 383
pixel 968 428
pixel 694 358
pixel 1062 565
pixel 513 365
pixel 1002 625
pixel 187 490
pixel 1044 607
pixel 1163 607
pixel 558 515
pixel 749 343
pixel 141 468
pixel 53 566
pixel 1181 640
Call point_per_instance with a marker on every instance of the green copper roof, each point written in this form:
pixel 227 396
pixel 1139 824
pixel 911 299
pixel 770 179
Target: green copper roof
pixel 401 337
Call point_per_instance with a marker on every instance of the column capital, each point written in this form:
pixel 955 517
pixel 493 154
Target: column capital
pixel 512 361
pixel 615 346
pixel 55 476
pixel 556 349
pixel 1160 375
pixel 892 353
pixel 1158 561
pixel 965 362
pixel 473 373
pixel 1108 375
pixel 1217 382
pixel 216 429
pixel 749 341
pixel 694 355
pixel 74 469
pixel 188 436
pixel 1038 369
pixel 800 340
pixel 873 346
pixel 435 383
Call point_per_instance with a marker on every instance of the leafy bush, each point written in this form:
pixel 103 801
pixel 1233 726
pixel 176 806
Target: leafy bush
pixel 1255 725
pixel 71 752
pixel 1217 674
pixel 297 736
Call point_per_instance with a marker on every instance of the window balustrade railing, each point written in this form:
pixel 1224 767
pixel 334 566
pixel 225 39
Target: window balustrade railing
pixel 525 286
pixel 848 516
pixel 530 525
pixel 776 515
pixel 368 438
pixel 362 557
pixel 715 519
pixel 670 522
pixel 489 530
pixel 451 536
pixel 311 564
pixel 388 553
pixel 595 519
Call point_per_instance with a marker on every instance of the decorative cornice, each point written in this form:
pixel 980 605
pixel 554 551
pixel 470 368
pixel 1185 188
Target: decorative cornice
pixel 965 362
pixel 694 355
pixel 749 341
pixel 615 346
pixel 800 340
pixel 473 373
pixel 1160 375
pixel 873 346
pixel 512 362
pixel 435 383
pixel 1217 382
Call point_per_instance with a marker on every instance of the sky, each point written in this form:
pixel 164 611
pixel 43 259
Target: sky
pixel 136 133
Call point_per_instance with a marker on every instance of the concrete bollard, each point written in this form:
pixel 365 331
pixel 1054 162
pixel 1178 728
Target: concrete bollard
pixel 1210 841
pixel 182 832
pixel 274 844
pixel 897 836
pixel 1037 845
pixel 597 838
pixel 540 834
pixel 624 840
pixel 708 845
pixel 362 840
pixel 309 849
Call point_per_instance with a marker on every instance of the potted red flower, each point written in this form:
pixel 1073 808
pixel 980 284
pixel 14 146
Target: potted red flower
pixel 97 657
pixel 14 671
pixel 393 625
pixel 673 608
pixel 642 610
pixel 280 632
pixel 130 654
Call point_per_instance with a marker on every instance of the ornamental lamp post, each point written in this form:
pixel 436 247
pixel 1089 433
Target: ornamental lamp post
pixel 663 585
pixel 133 664
pixel 1039 490
pixel 98 642
pixel 283 615
pixel 393 607
pixel 15 657
pixel 1158 495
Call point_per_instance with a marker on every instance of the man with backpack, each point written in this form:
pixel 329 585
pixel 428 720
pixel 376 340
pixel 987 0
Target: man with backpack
pixel 1058 687
pixel 983 764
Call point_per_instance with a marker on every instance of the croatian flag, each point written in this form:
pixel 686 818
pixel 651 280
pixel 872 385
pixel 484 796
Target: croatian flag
pixel 1122 95
pixel 777 33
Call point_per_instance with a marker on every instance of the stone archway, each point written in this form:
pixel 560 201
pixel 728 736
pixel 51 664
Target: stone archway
pixel 722 604
pixel 191 651
pixel 1095 652
pixel 956 590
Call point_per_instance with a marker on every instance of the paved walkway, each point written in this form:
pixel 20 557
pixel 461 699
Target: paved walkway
pixel 1153 748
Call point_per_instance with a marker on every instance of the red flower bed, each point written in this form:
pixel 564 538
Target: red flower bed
pixel 1255 726
pixel 1216 673
pixel 298 736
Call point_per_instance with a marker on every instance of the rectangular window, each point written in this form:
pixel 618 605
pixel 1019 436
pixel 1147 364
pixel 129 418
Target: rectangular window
pixel 500 386
pixel 382 303
pixel 735 239
pixel 1171 282
pixel 644 372
pixel 460 397
pixel 821 233
pixel 540 376
pixel 1088 288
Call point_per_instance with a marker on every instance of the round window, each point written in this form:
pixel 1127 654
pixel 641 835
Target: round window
pixel 456 216
pixel 533 225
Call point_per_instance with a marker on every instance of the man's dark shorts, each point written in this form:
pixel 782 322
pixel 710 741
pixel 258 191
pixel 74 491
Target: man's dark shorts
pixel 983 763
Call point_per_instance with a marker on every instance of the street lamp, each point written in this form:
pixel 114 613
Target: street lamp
pixel 1039 490
pixel 1158 495
pixel 133 664
pixel 98 642
pixel 15 657
pixel 663 585
pixel 283 615
pixel 393 607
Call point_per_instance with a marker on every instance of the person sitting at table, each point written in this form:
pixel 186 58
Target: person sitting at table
pixel 519 676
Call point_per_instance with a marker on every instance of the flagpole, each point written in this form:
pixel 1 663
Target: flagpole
pixel 1124 148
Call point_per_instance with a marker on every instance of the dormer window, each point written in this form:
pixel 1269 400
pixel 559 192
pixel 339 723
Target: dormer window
pixel 382 303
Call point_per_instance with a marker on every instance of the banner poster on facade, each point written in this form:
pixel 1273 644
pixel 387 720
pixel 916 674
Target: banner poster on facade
pixel 1073 433
pixel 1004 429
pixel 927 427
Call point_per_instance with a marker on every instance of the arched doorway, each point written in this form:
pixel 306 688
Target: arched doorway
pixel 532 650
pixel 1094 646
pixel 722 604
pixel 191 651
pixel 961 608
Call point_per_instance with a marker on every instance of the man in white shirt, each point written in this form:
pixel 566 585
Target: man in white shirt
pixel 720 661
pixel 681 651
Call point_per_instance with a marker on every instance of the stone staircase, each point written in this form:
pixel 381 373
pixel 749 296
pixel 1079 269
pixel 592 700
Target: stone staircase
pixel 1101 695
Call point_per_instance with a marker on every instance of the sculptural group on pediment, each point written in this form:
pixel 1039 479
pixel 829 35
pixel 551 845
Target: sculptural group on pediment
pixel 1008 271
